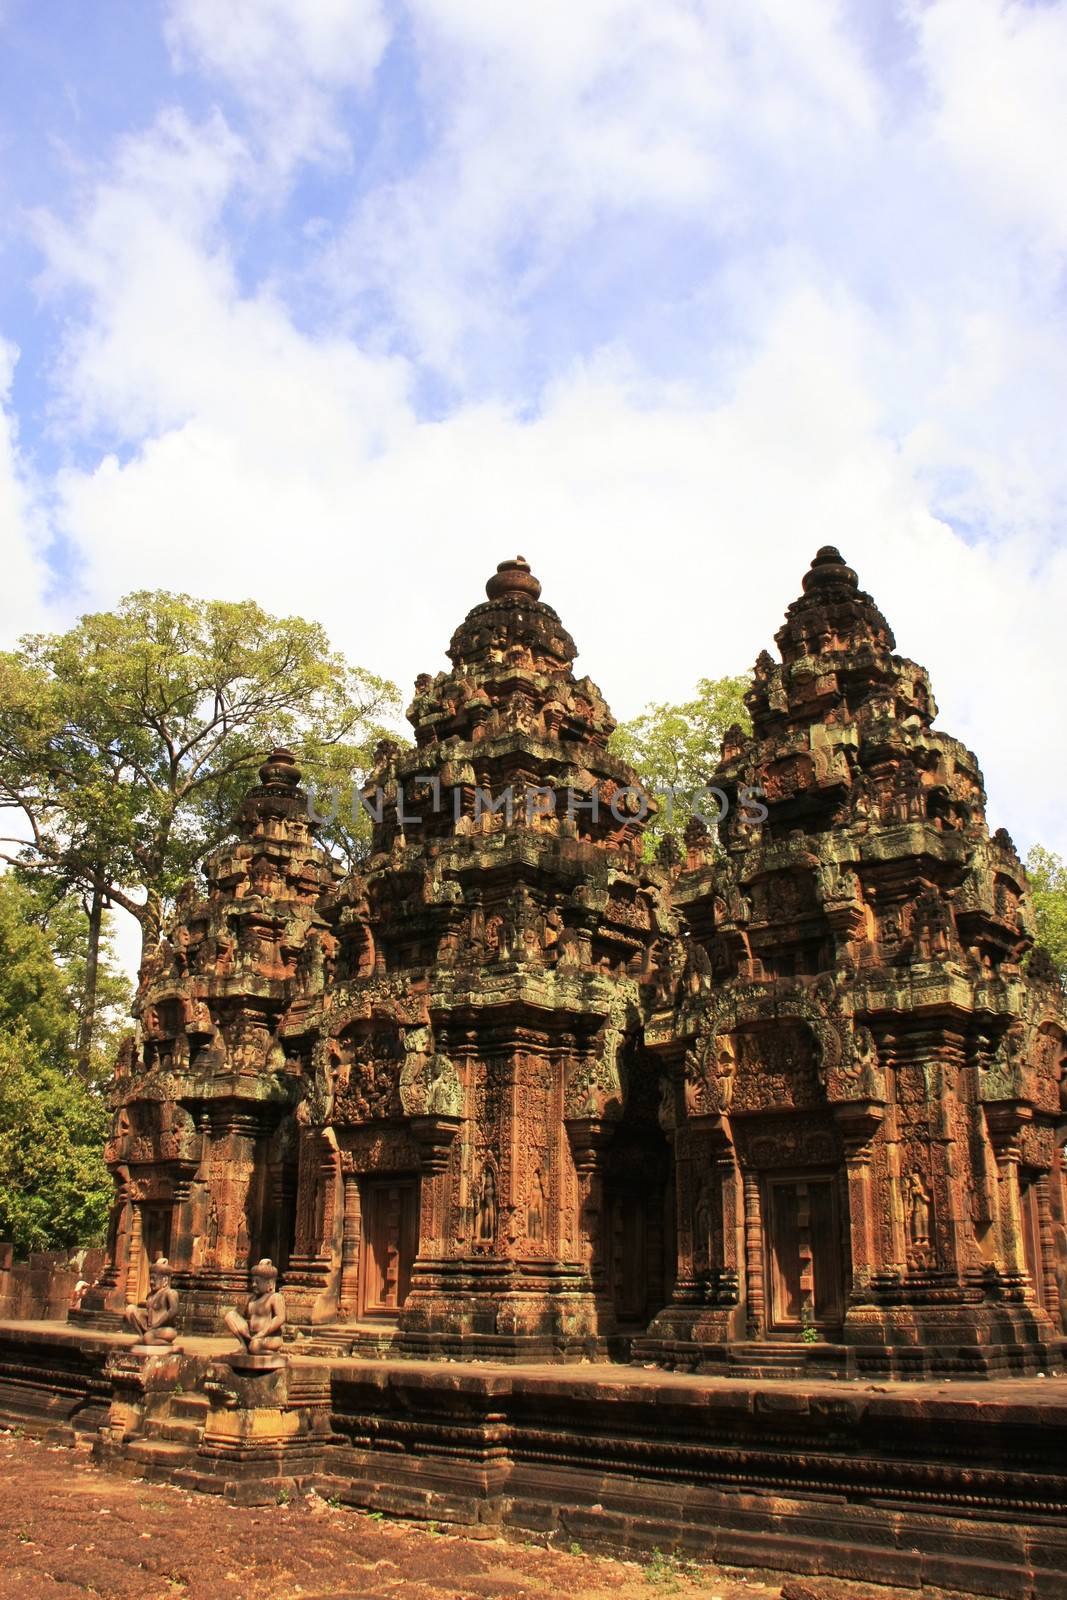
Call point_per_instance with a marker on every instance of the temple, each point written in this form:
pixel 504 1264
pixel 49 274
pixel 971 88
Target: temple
pixel 790 1099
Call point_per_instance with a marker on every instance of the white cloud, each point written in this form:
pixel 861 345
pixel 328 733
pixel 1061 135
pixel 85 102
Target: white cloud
pixel 669 534
pixel 997 70
pixel 555 118
pixel 148 258
pixel 23 529
pixel 287 60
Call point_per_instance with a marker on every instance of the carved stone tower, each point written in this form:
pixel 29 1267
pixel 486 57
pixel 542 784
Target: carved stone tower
pixel 482 1170
pixel 203 1144
pixel 866 1098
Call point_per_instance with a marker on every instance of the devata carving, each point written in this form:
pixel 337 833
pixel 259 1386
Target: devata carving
pixel 509 1089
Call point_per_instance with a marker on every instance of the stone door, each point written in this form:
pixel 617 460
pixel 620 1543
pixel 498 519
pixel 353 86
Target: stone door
pixel 628 1256
pixel 390 1242
pixel 804 1256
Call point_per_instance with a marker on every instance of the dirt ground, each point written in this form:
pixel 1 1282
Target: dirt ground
pixel 69 1531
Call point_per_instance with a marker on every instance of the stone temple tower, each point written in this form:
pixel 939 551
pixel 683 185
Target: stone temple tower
pixel 790 1100
pixel 481 1169
pixel 204 1136
pixel 867 1117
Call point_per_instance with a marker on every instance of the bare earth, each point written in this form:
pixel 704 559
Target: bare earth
pixel 69 1531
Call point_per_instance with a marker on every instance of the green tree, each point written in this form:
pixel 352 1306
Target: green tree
pixel 1048 887
pixel 127 741
pixel 34 903
pixel 676 748
pixel 54 1186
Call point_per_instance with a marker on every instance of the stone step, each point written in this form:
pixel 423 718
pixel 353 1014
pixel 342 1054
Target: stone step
pixel 158 1452
pixel 178 1430
pixel 193 1407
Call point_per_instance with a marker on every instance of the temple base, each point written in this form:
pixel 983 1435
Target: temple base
pixel 906 1341
pixel 962 1489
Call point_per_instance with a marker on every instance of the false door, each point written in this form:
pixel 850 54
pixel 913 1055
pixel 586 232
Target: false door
pixel 390 1243
pixel 804 1254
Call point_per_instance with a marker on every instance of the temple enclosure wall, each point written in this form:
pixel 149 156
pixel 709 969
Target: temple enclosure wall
pixel 43 1286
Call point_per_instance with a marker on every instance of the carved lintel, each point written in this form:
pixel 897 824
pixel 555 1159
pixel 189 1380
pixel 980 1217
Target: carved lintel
pixel 433 1136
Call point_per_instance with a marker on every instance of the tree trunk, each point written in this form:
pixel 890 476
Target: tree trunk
pixel 151 920
pixel 87 1021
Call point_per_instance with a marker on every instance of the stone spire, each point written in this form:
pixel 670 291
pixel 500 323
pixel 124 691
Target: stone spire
pixel 837 651
pixel 833 614
pixel 277 800
pixel 510 718
pixel 513 626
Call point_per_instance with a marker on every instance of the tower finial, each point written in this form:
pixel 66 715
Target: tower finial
pixel 513 577
pixel 829 566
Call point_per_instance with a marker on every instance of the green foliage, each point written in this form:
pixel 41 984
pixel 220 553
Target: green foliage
pixel 666 1571
pixel 34 997
pixel 30 906
pixel 1048 888
pixel 677 747
pixel 128 741
pixel 54 1187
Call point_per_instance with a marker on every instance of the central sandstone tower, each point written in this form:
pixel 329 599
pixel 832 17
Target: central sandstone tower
pixel 480 1151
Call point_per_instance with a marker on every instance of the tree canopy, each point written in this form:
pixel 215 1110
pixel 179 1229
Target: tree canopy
pixel 676 747
pixel 1048 886
pixel 54 1186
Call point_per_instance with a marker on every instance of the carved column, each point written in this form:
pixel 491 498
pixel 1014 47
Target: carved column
pixel 858 1121
pixel 307 1193
pixel 687 1181
pixel 1004 1124
pixel 755 1304
pixel 326 1196
pixel 1051 1292
pixel 134 1253
pixel 861 1232
pixel 732 1213
pixel 588 1137
pixel 894 1199
pixel 348 1305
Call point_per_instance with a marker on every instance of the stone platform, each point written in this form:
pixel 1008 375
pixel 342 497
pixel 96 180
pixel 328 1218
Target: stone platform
pixel 954 1486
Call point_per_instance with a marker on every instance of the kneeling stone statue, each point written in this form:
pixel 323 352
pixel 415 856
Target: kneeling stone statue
pixel 259 1331
pixel 154 1321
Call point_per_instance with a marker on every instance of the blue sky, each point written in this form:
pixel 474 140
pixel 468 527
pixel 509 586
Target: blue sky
pixel 336 303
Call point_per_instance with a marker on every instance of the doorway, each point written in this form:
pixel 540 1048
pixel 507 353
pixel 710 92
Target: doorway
pixel 628 1256
pixel 390 1243
pixel 156 1218
pixel 804 1254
